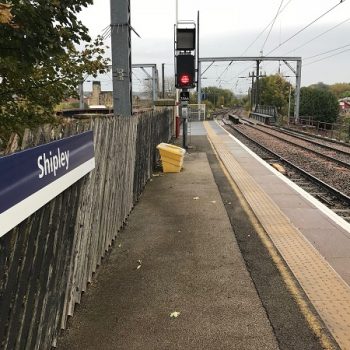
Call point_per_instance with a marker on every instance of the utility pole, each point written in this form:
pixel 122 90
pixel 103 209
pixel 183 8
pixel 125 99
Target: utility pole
pixel 163 82
pixel 121 57
pixel 289 99
pixel 252 100
pixel 81 95
pixel 297 92
pixel 198 73
pixel 257 97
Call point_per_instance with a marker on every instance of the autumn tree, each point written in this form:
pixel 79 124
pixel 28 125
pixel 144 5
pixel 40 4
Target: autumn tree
pixel 39 62
pixel 274 91
pixel 340 90
pixel 217 96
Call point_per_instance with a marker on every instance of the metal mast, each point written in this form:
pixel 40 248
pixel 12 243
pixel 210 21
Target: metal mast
pixel 121 57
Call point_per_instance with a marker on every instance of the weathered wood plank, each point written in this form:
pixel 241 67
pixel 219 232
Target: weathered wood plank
pixel 48 260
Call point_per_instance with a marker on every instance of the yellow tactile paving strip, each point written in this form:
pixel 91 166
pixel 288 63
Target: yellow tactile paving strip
pixel 329 294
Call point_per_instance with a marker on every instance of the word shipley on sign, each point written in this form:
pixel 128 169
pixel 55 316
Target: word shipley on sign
pixel 31 178
pixel 51 164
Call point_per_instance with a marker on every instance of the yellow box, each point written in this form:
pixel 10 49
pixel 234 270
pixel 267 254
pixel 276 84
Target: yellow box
pixel 172 157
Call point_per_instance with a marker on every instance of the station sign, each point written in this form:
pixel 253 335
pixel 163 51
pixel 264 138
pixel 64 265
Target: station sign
pixel 31 178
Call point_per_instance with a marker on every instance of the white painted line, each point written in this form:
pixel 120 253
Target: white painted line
pixel 331 214
pixel 19 212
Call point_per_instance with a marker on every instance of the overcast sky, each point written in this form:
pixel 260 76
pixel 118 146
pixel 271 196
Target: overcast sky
pixel 228 28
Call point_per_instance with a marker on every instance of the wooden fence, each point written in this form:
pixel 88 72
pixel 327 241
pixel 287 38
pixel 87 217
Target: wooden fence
pixel 47 261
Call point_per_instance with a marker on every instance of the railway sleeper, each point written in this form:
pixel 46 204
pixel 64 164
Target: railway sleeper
pixel 325 200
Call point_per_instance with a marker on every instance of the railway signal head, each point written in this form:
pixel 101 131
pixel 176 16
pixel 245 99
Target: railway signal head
pixel 185 72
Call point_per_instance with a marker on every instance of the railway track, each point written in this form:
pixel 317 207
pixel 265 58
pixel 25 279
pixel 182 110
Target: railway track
pixel 340 147
pixel 312 182
pixel 334 153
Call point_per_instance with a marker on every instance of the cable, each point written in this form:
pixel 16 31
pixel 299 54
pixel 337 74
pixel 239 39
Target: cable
pixel 273 22
pixel 323 53
pixel 324 58
pixel 106 33
pixel 318 36
pixel 263 31
pixel 133 73
pixel 226 69
pixel 307 26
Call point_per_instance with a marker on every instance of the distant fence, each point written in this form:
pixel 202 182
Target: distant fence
pixel 47 261
pixel 268 110
pixel 337 131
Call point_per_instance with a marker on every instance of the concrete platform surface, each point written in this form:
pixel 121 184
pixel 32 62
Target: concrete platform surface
pixel 178 253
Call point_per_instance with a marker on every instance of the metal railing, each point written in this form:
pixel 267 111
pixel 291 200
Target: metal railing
pixel 336 131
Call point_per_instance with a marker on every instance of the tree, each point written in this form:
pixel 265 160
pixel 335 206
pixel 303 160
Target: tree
pixel 39 63
pixel 320 86
pixel 321 104
pixel 274 91
pixel 340 89
pixel 217 96
pixel 6 17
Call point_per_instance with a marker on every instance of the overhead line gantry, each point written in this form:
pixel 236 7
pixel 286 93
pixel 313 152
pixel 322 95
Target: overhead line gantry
pixel 258 60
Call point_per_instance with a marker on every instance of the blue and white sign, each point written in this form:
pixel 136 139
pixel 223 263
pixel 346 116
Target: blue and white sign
pixel 31 178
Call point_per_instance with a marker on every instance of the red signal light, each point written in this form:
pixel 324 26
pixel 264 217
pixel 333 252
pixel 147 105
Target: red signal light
pixel 185 79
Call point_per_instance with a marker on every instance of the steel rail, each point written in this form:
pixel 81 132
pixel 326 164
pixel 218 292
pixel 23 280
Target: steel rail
pixel 319 137
pixel 307 139
pixel 329 158
pixel 340 195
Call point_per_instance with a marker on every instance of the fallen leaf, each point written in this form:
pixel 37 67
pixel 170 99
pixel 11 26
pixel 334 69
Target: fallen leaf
pixel 213 202
pixel 119 245
pixel 175 314
pixel 139 263
pixel 195 198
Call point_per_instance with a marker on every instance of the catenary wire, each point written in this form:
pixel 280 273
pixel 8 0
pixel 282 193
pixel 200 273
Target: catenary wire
pixel 325 52
pixel 307 26
pixel 319 35
pixel 263 31
pixel 256 39
pixel 272 24
pixel 325 58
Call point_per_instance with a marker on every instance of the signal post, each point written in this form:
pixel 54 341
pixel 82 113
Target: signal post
pixel 185 44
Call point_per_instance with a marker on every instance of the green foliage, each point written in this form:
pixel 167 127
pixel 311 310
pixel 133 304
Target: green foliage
pixel 320 86
pixel 274 91
pixel 218 97
pixel 321 104
pixel 39 63
pixel 340 89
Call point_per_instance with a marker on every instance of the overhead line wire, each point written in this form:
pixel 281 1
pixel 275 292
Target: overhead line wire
pixel 318 36
pixel 263 31
pixel 329 51
pixel 256 39
pixel 226 69
pixel 324 58
pixel 273 23
pixel 307 26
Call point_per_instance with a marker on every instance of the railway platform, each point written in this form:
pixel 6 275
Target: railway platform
pixel 227 254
